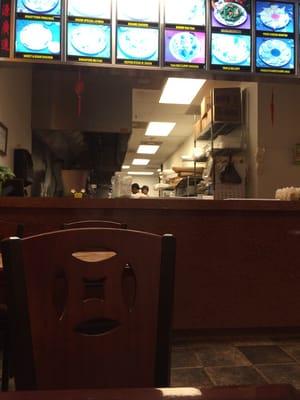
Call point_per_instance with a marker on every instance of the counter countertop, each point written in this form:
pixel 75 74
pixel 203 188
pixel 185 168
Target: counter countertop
pixel 151 203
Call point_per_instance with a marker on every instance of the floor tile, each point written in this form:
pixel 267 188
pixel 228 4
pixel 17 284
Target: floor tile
pixel 286 373
pixel 234 376
pixel 265 354
pixel 184 358
pixel 292 350
pixel 220 355
pixel 190 377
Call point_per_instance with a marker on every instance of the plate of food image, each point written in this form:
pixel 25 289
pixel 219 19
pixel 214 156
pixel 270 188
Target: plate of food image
pixel 40 6
pixel 88 39
pixel 138 10
pixel 184 46
pixel 35 36
pixel 138 43
pixel 275 52
pixel 274 17
pixel 231 50
pixel 89 8
pixel 185 11
pixel 230 14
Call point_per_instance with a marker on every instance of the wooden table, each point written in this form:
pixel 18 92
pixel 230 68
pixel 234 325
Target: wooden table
pixel 266 392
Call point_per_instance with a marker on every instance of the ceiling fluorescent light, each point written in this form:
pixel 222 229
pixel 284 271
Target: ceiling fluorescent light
pixel 147 148
pixel 159 128
pixel 140 173
pixel 125 166
pixel 140 161
pixel 181 90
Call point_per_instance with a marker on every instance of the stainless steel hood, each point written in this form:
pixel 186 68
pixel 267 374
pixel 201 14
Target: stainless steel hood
pixel 106 101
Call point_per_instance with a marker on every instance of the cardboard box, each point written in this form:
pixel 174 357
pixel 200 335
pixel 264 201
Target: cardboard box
pixel 197 128
pixel 205 105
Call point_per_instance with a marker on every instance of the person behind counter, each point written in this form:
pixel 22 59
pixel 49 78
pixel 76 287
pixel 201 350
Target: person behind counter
pixel 135 190
pixel 145 190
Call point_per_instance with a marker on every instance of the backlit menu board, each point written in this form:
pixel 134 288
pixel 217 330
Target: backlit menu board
pixel 275 37
pixel 89 31
pixel 230 35
pixel 38 29
pixel 184 33
pixel 137 36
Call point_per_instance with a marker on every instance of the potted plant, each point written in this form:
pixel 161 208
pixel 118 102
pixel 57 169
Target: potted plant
pixel 5 174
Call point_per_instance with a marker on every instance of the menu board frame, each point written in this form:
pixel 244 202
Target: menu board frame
pixel 195 35
pixel 237 34
pixel 130 56
pixel 11 55
pixel 90 25
pixel 43 25
pixel 266 37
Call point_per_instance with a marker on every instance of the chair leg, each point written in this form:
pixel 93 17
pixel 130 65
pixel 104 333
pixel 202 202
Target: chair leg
pixel 5 362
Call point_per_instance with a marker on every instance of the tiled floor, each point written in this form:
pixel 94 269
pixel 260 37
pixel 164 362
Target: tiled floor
pixel 207 362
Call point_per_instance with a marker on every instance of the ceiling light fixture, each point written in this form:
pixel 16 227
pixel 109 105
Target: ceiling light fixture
pixel 159 128
pixel 140 161
pixel 181 90
pixel 147 148
pixel 140 173
pixel 125 166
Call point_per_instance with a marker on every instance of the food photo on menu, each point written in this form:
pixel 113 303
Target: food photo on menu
pixel 138 10
pixel 231 49
pixel 234 14
pixel 39 37
pixel 48 7
pixel 89 40
pixel 90 8
pixel 274 17
pixel 186 12
pixel 184 46
pixel 275 53
pixel 137 43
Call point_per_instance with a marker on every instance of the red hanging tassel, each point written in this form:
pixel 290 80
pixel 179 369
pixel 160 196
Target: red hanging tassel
pixel 272 108
pixel 79 89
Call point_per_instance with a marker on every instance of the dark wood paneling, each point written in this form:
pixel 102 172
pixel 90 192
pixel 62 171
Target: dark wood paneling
pixel 237 261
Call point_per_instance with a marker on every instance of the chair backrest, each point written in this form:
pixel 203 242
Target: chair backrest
pixel 90 308
pixel 9 228
pixel 94 223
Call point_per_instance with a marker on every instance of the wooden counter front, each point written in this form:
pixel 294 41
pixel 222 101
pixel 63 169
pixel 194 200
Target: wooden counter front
pixel 237 261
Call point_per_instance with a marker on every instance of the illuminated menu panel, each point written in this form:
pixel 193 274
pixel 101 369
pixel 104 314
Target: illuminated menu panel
pixel 5 9
pixel 275 37
pixel 184 34
pixel 230 35
pixel 38 29
pixel 89 31
pixel 137 36
pixel 138 11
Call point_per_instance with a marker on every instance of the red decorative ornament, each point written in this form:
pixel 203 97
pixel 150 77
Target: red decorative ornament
pixel 5 12
pixel 79 89
pixel 5 28
pixel 4 44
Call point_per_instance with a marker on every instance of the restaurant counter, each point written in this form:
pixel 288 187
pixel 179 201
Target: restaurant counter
pixel 237 261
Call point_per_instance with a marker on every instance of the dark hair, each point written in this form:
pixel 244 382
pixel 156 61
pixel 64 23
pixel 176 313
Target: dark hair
pixel 145 187
pixel 135 186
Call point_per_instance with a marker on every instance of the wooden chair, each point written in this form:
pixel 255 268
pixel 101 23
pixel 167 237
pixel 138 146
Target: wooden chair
pixel 94 223
pixel 80 322
pixel 7 228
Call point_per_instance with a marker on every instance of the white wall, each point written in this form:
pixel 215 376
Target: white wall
pixel 276 142
pixel 15 108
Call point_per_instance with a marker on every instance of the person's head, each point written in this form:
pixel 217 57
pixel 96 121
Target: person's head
pixel 135 188
pixel 145 189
